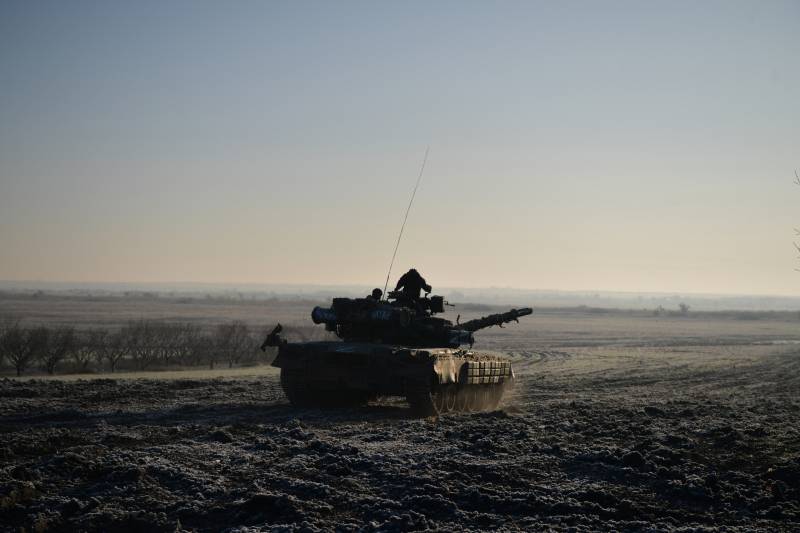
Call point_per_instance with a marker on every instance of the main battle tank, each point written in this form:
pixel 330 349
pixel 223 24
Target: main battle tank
pixel 394 347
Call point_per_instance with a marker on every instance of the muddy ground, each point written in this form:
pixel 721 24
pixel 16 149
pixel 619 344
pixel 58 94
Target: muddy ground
pixel 650 436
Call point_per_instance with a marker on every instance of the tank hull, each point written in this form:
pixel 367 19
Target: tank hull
pixel 433 380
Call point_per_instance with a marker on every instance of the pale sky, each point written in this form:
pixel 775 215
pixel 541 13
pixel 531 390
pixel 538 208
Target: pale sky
pixel 628 146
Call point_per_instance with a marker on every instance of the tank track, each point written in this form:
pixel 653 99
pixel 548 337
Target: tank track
pixel 421 398
pixel 302 394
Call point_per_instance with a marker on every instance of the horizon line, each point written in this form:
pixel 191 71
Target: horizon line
pixel 354 285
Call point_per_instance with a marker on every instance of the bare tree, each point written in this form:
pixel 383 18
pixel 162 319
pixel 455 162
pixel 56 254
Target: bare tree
pixel 162 337
pixel 175 342
pixel 217 347
pixel 797 231
pixel 199 348
pixel 5 325
pixel 238 343
pixel 116 346
pixel 88 346
pixel 54 346
pixel 249 351
pixel 143 343
pixel 8 328
pixel 185 347
pixel 230 342
pixel 169 340
pixel 21 347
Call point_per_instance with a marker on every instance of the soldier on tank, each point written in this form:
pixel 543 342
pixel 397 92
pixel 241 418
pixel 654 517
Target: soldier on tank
pixel 411 283
pixel 376 295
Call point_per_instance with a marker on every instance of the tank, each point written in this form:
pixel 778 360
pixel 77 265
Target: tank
pixel 394 347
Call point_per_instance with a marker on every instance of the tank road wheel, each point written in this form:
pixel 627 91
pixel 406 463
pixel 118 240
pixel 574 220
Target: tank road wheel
pixel 300 394
pixel 478 397
pixel 296 389
pixel 450 398
pixel 354 398
pixel 438 401
pixel 473 399
pixel 420 399
pixel 445 399
pixel 462 399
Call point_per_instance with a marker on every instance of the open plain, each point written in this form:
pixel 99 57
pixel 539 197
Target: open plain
pixel 619 420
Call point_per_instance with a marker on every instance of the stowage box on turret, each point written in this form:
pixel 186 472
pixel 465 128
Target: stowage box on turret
pixel 394 347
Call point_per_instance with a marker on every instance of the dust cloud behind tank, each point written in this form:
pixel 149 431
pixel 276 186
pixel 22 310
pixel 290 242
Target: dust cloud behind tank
pixel 394 347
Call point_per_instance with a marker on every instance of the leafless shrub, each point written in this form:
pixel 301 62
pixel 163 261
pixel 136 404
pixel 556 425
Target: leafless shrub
pixel 231 342
pixel 88 347
pixel 9 327
pixel 198 349
pixel 186 345
pixel 165 338
pixel 53 346
pixel 6 324
pixel 115 346
pixel 21 347
pixel 142 341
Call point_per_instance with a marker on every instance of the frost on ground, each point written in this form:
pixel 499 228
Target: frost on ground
pixel 590 439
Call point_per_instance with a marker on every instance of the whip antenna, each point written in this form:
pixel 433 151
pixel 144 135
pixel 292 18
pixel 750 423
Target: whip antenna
pixel 408 209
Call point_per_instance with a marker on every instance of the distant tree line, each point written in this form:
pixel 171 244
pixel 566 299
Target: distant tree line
pixel 683 310
pixel 139 345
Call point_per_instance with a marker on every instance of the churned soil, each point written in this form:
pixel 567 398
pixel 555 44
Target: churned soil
pixel 628 439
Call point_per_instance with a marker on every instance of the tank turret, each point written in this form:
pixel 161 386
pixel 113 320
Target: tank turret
pixel 408 323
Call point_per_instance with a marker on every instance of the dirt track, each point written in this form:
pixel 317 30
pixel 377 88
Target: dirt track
pixel 591 438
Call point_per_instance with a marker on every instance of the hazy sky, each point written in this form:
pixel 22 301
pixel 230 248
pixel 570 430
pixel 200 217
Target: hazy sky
pixel 574 145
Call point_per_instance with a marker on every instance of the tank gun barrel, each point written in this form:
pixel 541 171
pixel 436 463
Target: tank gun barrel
pixel 495 320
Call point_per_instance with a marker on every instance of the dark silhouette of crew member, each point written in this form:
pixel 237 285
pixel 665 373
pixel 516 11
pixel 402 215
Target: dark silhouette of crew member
pixel 411 283
pixel 376 295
